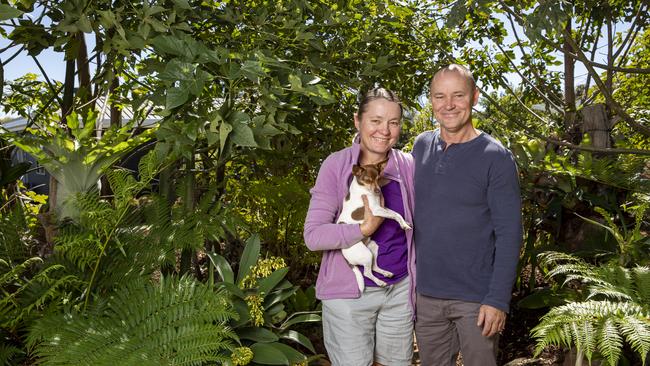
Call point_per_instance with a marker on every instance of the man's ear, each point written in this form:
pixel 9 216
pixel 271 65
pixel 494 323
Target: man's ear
pixel 475 96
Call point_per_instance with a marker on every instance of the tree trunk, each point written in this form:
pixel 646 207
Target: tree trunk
pixel 596 124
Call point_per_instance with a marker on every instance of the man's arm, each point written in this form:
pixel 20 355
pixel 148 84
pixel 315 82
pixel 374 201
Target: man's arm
pixel 504 201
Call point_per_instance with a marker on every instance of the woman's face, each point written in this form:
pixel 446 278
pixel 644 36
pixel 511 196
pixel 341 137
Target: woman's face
pixel 379 128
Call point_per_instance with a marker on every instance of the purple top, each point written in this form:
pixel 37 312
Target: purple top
pixel 335 277
pixel 391 239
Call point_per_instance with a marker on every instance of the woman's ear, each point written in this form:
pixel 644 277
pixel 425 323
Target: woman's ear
pixel 356 121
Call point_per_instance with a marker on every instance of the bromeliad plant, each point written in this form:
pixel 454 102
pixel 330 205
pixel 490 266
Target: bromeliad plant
pixel 614 309
pixel 259 293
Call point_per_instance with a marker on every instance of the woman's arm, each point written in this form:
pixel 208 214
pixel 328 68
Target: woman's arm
pixel 321 232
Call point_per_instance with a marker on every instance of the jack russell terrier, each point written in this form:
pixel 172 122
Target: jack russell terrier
pixel 367 181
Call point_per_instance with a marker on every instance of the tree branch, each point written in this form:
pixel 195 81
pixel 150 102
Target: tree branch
pixel 634 29
pixel 645 130
pixel 516 121
pixel 558 100
pixel 529 82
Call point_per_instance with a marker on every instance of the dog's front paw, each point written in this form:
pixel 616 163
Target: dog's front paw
pixel 405 226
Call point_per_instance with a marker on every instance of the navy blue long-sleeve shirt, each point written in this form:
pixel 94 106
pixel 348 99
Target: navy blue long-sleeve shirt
pixel 467 219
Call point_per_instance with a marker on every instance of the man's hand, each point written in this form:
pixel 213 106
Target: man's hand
pixel 491 319
pixel 370 222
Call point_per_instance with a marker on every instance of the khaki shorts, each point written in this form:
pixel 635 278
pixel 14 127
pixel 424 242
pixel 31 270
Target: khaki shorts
pixel 378 326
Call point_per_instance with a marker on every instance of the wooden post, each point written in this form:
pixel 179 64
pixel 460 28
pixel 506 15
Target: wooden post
pixel 597 125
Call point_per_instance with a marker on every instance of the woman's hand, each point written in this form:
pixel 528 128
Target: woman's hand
pixel 370 222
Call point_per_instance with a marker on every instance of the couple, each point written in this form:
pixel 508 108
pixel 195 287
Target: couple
pixel 461 192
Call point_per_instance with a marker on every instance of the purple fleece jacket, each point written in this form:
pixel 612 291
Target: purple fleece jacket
pixel 335 278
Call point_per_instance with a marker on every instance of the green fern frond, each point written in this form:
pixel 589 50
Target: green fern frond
pixel 9 353
pixel 179 321
pixel 609 341
pixel 637 333
pixel 641 277
pixel 30 292
pixel 18 270
pixel 16 239
pixel 589 326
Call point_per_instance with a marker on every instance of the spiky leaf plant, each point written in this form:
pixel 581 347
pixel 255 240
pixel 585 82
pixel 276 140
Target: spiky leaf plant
pixel 178 321
pixel 615 309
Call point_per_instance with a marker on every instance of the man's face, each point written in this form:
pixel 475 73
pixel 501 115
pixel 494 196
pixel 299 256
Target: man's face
pixel 452 98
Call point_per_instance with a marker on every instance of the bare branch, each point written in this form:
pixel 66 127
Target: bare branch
pixel 536 134
pixel 49 83
pixel 13 56
pixel 634 29
pixel 557 99
pixel 529 82
pixel 645 130
pixel 592 57
pixel 609 81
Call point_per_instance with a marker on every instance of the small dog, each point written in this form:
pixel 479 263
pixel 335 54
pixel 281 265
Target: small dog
pixel 367 181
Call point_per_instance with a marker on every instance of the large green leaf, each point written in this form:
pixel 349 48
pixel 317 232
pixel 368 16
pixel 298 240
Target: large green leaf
pixel 268 283
pixel 298 338
pixel 266 354
pixel 9 12
pixel 293 355
pixel 223 267
pixel 249 257
pixel 176 97
pixel 303 318
pixel 257 334
pixel 233 289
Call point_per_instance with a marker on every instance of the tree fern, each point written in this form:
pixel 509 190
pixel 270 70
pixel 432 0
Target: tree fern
pixel 177 322
pixel 615 310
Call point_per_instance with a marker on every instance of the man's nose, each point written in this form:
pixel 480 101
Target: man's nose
pixel 449 103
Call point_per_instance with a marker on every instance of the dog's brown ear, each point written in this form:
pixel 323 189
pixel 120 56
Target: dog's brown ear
pixel 357 169
pixel 382 164
pixel 383 181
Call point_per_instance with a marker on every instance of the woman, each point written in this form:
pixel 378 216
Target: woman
pixel 374 326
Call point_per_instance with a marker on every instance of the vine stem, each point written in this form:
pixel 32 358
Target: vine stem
pixel 99 259
pixel 110 235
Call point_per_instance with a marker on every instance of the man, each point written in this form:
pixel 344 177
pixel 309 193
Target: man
pixel 467 229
